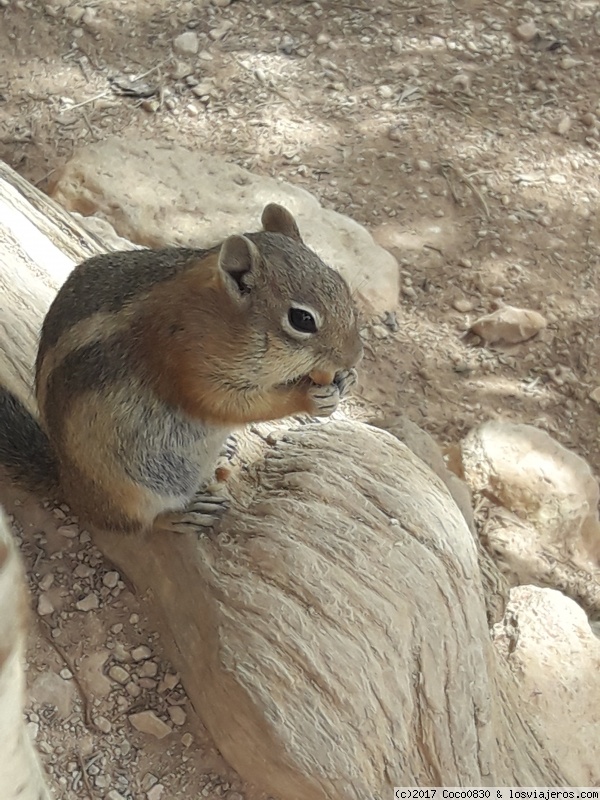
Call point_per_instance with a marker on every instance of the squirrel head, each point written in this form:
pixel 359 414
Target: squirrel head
pixel 299 311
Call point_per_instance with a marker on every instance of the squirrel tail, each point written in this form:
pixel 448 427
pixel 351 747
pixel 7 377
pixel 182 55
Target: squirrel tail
pixel 25 450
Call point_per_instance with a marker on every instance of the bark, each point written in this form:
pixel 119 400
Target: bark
pixel 331 632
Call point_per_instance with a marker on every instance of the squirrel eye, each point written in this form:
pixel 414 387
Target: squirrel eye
pixel 302 320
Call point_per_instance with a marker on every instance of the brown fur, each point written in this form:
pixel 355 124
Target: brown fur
pixel 148 359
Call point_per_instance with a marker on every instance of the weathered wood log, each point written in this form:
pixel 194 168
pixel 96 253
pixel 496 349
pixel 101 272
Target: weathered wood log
pixel 331 633
pixel 20 773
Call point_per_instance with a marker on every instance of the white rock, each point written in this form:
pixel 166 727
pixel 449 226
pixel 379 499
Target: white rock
pixel 92 676
pixel 156 792
pixel 88 603
pixel 563 126
pixel 186 44
pixel 191 199
pixel 147 722
pixel 177 715
pixel 532 475
pixel 49 688
pixel 595 395
pixel 44 607
pixel 509 325
pixel 111 579
pixel 104 230
pixel 462 304
pixel 69 531
pixel 119 674
pixel 526 31
pixel 141 653
pixel 46 581
pixel 102 724
pixel 554 657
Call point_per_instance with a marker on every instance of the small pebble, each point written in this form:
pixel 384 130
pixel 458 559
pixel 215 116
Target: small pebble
pixel 46 581
pixel 119 674
pixel 103 724
pixel 44 607
pixel 526 31
pixel 141 653
pixel 156 792
pixel 132 689
pixel 177 715
pixel 69 531
pixel 186 44
pixel 568 63
pixel 89 603
pixel 171 680
pixel 462 305
pixel 149 669
pixel 563 125
pixel 147 722
pixel 111 579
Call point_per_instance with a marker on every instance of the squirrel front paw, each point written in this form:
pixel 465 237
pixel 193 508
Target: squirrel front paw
pixel 326 399
pixel 345 380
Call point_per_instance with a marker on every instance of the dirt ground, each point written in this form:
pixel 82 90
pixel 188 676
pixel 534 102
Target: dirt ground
pixel 465 135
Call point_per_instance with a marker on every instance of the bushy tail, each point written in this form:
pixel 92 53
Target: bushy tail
pixel 25 450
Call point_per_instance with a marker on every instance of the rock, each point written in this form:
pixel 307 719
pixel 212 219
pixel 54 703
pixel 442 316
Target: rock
pixel 191 199
pixel 45 606
pixel 595 395
pixel 563 126
pixel 177 715
pixel 546 641
pixel 526 31
pixel 104 232
pixel 147 722
pixel 92 676
pixel 102 724
pixel 149 669
pixel 528 473
pixel 68 531
pixel 462 305
pixel 88 603
pixel 141 653
pixel 156 792
pixel 49 688
pixel 568 62
pixel 508 325
pixel 186 44
pixel 119 674
pixel 111 579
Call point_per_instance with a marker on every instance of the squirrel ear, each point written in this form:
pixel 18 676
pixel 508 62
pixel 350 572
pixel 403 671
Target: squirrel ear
pixel 237 259
pixel 277 219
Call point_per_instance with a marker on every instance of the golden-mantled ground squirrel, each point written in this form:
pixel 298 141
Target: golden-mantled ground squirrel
pixel 148 360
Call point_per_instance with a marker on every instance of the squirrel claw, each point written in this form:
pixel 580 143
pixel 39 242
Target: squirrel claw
pixel 345 380
pixel 204 511
pixel 327 398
